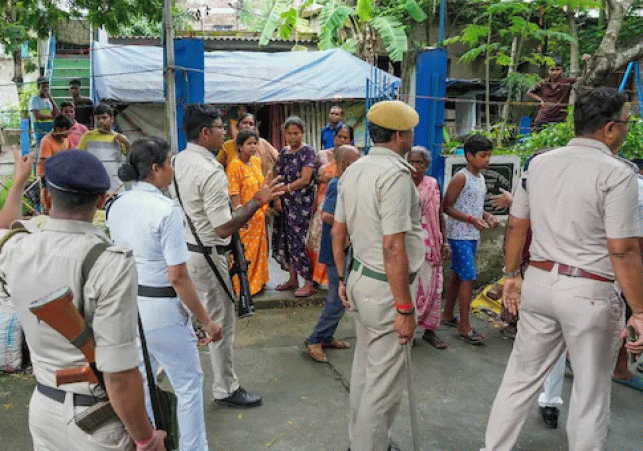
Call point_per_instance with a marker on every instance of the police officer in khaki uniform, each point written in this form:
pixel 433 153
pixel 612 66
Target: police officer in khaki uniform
pixel 581 204
pixel 378 207
pixel 203 190
pixel 35 264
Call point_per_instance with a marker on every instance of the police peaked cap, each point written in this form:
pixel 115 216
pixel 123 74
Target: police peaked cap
pixel 76 171
pixel 393 115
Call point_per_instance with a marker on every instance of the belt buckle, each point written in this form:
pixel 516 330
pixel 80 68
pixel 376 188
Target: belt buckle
pixel 575 272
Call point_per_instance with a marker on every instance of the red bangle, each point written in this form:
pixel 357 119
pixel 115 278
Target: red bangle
pixel 404 307
pixel 146 442
pixel 469 218
pixel 261 202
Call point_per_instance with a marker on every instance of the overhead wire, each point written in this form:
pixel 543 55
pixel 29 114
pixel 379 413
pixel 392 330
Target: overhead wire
pixel 247 76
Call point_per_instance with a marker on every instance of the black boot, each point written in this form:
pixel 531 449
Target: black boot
pixel 550 416
pixel 241 398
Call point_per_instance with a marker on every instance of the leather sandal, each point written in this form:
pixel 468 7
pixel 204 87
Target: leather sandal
pixel 316 354
pixel 433 339
pixel 337 344
pixel 473 337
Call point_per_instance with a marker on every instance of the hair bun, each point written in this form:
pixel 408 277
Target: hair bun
pixel 127 173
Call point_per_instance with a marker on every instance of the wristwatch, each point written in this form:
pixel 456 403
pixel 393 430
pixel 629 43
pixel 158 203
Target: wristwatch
pixel 510 274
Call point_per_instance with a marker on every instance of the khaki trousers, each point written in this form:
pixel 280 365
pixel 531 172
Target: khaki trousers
pixel 221 310
pixel 52 428
pixel 377 377
pixel 587 316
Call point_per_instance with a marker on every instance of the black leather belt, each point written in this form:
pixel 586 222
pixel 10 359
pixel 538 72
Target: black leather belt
pixel 59 396
pixel 221 250
pixel 156 292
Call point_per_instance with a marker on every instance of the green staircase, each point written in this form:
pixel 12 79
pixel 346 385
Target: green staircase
pixel 67 68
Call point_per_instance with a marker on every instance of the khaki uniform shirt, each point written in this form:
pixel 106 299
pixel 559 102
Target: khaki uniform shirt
pixel 377 197
pixel 203 187
pixel 577 197
pixel 36 264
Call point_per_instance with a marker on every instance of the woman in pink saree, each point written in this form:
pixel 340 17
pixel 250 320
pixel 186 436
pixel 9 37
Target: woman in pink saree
pixel 428 299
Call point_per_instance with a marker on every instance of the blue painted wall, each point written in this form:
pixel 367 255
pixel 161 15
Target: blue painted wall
pixel 188 54
pixel 431 72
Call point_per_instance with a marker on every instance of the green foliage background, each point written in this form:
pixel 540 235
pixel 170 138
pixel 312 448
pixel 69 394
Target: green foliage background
pixel 11 114
pixel 552 135
pixel 4 189
pixel 152 26
pixel 557 135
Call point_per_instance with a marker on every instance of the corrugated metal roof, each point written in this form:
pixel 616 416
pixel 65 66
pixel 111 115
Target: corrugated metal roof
pixel 227 36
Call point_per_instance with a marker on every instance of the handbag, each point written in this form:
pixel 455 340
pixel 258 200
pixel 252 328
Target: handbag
pixel 163 401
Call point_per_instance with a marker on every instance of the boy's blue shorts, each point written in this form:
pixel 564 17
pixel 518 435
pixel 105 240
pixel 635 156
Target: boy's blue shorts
pixel 463 258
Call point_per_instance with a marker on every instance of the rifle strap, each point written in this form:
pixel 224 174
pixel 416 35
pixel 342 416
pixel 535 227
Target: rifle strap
pixel 10 234
pixel 151 384
pixel 199 243
pixel 88 263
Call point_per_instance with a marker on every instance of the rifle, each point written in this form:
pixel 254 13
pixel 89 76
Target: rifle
pixel 57 309
pixel 163 402
pixel 240 269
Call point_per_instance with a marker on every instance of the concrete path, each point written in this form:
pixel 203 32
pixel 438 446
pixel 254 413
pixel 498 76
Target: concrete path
pixel 306 403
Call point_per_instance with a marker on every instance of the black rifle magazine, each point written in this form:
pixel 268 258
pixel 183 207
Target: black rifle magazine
pixel 95 416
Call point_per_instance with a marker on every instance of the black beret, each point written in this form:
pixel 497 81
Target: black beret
pixel 76 171
pixel 42 80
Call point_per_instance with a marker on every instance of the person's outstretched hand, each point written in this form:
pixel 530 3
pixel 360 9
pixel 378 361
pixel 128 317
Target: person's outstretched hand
pixel 271 190
pixel 502 200
pixel 22 167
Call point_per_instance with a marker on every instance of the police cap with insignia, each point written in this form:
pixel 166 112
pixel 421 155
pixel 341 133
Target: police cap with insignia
pixel 76 171
pixel 393 115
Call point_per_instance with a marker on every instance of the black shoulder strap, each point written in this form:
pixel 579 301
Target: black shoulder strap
pixel 151 384
pixel 90 259
pixel 199 243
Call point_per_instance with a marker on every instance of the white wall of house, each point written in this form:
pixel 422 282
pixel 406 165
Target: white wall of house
pixel 8 89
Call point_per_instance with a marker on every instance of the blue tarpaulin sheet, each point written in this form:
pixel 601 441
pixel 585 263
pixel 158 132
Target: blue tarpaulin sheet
pixel 134 73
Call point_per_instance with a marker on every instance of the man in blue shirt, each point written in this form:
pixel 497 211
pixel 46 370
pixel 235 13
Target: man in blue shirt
pixel 328 132
pixel 43 110
pixel 322 336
